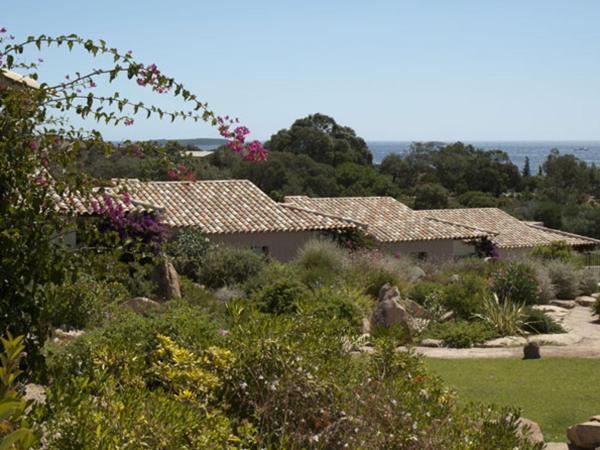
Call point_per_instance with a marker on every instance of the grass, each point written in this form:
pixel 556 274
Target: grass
pixel 554 392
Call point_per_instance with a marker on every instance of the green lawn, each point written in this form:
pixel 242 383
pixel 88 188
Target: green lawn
pixel 554 392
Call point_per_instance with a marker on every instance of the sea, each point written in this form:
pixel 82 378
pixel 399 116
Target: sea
pixel 537 151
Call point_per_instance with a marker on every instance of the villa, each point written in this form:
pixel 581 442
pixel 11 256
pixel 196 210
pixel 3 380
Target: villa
pixel 511 236
pixel 234 213
pixel 396 228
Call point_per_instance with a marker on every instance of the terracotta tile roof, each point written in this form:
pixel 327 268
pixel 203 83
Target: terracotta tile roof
pixel 226 206
pixel 510 231
pixel 386 219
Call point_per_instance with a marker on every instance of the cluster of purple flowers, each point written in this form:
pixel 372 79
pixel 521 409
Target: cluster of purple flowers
pixel 141 227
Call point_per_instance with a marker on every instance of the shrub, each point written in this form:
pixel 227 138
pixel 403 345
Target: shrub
pixel 280 297
pixel 557 250
pixel 321 260
pixel 516 282
pixel 588 282
pixel 465 297
pixel 546 289
pixel 371 270
pixel 565 279
pixel 596 307
pixel 504 316
pixel 225 266
pixel 188 249
pixel 420 292
pixel 82 303
pixel 460 333
pixel 126 336
pixel 537 322
pixel 338 303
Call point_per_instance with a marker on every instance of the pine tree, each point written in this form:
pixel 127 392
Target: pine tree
pixel 526 168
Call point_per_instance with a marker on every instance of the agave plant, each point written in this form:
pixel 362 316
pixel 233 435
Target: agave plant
pixel 506 317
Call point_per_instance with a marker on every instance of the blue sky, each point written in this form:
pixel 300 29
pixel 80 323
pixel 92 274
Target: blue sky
pixel 392 70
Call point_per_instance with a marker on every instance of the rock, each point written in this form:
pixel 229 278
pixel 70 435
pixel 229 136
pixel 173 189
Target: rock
pixel 388 292
pixel 585 435
pixel 63 335
pixel 366 326
pixel 531 350
pixel 447 316
pixel 556 446
pixel 456 278
pixel 167 280
pixel 585 300
pixel 567 304
pixel 529 430
pixel 595 295
pixel 595 419
pixel 508 341
pixel 432 343
pixel 140 305
pixel 559 339
pixel 390 312
pixel 416 274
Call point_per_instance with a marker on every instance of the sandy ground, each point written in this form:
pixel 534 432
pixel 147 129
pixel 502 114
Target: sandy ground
pixel 583 331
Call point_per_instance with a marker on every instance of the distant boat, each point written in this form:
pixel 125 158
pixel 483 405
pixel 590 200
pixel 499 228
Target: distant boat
pixel 581 149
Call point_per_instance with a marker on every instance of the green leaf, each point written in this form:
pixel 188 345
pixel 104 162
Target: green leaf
pixel 22 436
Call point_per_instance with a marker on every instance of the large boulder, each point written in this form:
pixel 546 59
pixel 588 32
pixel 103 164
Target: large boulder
pixel 529 430
pixel 388 292
pixel 389 312
pixel 167 280
pixel 585 435
pixel 585 300
pixel 140 305
pixel 531 350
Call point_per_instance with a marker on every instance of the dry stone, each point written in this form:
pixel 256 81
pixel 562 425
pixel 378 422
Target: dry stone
pixel 567 304
pixel 389 312
pixel 585 300
pixel 529 430
pixel 434 343
pixel 585 435
pixel 531 350
pixel 167 280
pixel 140 305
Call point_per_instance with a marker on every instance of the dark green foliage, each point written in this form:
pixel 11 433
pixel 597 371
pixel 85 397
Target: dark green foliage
pixel 188 249
pixel 431 196
pixel 477 199
pixel 421 292
pixel 280 296
pixel 321 138
pixel 461 334
pixel 516 282
pixel 465 297
pixel 336 304
pixel 559 250
pixel 225 266
pixel 82 303
pixel 537 322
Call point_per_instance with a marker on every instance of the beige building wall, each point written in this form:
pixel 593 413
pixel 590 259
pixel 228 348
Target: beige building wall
pixel 439 249
pixel 282 246
pixel 514 253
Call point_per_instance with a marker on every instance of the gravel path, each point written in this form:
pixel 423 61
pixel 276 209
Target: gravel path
pixel 583 333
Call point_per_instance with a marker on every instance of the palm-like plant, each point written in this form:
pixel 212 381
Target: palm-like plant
pixel 506 317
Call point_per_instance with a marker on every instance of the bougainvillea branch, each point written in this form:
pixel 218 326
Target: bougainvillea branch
pixel 68 95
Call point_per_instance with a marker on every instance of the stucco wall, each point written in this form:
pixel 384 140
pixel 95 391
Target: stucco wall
pixel 514 253
pixel 440 249
pixel 282 246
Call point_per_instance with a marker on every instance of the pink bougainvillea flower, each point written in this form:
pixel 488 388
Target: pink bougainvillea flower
pixel 126 198
pixel 128 121
pixel 34 145
pixel 2 30
pixel 171 173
